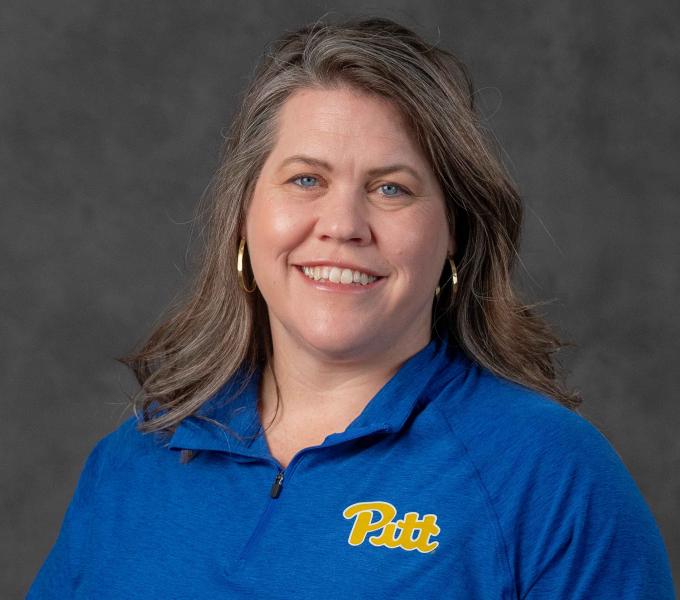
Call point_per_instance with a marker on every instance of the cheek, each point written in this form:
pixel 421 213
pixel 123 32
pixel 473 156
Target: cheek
pixel 273 228
pixel 416 241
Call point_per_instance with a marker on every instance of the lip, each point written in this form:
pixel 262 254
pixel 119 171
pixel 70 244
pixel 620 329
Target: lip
pixel 329 286
pixel 344 265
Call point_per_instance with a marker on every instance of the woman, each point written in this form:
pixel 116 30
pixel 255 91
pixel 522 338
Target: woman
pixel 360 405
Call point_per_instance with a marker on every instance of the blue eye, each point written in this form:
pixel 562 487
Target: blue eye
pixel 392 189
pixel 305 180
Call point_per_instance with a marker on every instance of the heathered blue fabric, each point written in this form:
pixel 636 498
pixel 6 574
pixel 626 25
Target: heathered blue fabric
pixel 530 499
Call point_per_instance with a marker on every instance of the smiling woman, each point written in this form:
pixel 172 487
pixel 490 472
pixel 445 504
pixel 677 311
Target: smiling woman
pixel 342 225
pixel 352 351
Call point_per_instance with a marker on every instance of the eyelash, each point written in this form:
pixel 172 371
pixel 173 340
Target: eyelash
pixel 404 191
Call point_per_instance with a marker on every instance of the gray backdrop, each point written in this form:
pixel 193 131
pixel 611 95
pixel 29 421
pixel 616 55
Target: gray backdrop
pixel 111 114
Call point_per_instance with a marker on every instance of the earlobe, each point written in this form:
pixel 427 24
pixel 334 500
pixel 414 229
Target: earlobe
pixel 452 247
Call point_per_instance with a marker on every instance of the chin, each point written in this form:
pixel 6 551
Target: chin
pixel 339 345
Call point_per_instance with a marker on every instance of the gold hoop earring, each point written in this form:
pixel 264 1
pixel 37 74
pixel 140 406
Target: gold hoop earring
pixel 239 268
pixel 454 274
pixel 454 278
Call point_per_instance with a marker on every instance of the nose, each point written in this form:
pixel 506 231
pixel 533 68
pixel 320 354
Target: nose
pixel 343 216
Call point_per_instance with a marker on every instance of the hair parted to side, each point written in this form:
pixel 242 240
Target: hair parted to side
pixel 219 329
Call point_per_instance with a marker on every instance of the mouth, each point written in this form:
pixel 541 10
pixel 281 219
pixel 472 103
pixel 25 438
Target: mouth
pixel 339 280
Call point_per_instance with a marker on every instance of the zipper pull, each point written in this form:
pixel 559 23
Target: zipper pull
pixel 278 484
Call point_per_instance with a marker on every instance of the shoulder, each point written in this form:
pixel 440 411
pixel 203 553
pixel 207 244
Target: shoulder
pixel 124 446
pixel 568 509
pixel 491 414
pixel 533 454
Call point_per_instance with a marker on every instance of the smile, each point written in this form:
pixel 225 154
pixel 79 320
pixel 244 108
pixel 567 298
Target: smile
pixel 338 275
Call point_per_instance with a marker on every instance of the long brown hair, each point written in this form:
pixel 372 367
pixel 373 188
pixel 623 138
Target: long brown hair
pixel 219 329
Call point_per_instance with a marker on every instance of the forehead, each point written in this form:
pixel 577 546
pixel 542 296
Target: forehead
pixel 344 118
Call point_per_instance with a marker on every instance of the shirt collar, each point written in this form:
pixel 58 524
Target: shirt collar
pixel 387 411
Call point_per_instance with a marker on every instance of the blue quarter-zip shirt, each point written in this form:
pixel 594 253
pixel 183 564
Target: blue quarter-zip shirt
pixel 452 483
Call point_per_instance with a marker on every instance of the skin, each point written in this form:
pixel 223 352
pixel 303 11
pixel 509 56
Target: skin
pixel 334 351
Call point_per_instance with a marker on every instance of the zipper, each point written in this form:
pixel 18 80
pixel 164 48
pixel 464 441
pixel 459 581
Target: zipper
pixel 277 487
pixel 274 493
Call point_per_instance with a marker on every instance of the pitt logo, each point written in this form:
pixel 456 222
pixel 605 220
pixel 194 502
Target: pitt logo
pixel 364 524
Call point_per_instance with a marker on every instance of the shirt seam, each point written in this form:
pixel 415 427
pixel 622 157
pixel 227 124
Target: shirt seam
pixel 500 539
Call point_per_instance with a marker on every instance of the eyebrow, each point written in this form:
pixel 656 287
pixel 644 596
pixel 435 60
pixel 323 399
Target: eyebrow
pixel 377 172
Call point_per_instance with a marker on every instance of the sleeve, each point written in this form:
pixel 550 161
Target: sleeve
pixel 591 534
pixel 58 576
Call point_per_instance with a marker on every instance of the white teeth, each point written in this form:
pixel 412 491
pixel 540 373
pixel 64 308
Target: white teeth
pixel 347 276
pixel 338 275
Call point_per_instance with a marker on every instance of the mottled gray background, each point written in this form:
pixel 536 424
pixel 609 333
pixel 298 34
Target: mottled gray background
pixel 111 114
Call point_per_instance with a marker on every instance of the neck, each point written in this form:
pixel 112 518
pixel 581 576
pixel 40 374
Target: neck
pixel 325 391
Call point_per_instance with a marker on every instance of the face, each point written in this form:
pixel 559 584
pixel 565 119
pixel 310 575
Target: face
pixel 346 189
